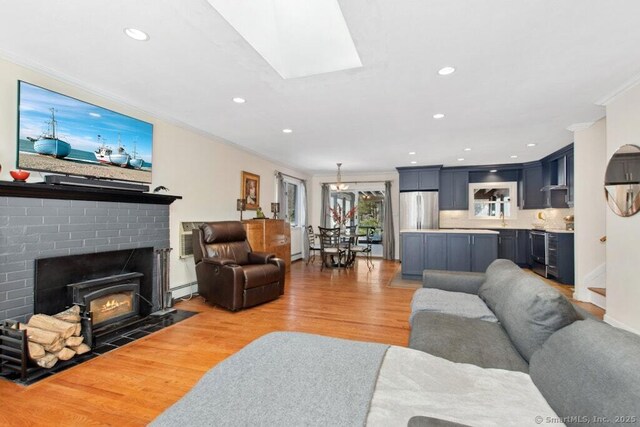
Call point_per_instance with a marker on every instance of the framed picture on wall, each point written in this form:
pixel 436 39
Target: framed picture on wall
pixel 251 190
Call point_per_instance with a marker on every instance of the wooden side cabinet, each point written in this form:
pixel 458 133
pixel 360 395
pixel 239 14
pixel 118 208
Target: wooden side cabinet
pixel 271 236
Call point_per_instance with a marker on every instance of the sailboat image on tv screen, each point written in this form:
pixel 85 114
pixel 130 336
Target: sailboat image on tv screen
pixel 135 161
pixel 105 154
pixel 48 144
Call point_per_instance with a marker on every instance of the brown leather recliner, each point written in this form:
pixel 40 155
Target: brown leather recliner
pixel 231 275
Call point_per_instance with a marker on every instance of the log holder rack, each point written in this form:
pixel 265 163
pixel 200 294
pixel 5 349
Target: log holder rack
pixel 14 351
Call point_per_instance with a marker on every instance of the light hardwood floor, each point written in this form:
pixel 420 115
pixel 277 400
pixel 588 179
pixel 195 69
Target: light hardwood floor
pixel 132 385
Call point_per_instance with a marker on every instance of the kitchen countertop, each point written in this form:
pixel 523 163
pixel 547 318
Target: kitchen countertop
pixel 509 227
pixel 450 230
pixel 554 230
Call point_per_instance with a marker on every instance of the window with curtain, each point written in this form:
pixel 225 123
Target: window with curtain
pixel 292 203
pixel 291 206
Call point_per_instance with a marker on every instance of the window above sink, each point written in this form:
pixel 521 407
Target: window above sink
pixel 492 200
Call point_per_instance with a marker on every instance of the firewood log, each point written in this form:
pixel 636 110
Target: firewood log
pixel 78 330
pixel 74 341
pixel 36 351
pixel 81 349
pixel 47 361
pixel 55 347
pixel 72 315
pixel 40 336
pixel 65 354
pixel 50 323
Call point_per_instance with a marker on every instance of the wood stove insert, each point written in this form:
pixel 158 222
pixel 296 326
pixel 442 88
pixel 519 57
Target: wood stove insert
pixel 107 301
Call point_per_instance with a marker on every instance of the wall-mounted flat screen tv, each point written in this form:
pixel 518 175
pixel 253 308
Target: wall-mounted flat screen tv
pixel 60 134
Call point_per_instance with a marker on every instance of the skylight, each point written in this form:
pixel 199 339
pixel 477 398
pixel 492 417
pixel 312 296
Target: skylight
pixel 296 37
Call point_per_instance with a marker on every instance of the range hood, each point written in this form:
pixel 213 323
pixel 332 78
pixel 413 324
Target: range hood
pixel 560 177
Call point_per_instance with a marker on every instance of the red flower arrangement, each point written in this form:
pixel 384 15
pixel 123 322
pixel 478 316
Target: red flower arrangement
pixel 339 217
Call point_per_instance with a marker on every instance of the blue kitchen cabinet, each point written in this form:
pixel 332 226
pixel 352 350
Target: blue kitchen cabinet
pixel 522 247
pixel 507 247
pixel 446 251
pixel 570 179
pixel 454 190
pixel 412 254
pixel 532 182
pixel 435 254
pixel 419 179
pixel 459 252
pixel 560 262
pixel 513 245
pixel 484 250
pixel 409 180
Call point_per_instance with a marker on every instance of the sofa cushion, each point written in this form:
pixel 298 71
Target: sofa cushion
pixel 531 312
pixel 259 275
pixel 590 370
pixel 501 275
pixel 463 340
pixel 458 303
pixel 453 281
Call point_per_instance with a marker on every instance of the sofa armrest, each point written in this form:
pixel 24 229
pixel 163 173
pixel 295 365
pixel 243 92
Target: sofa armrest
pixel 260 257
pixel 219 261
pixel 453 281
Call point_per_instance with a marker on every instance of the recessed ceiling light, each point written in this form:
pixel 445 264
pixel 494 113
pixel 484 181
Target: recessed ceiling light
pixel 413 162
pixel 460 159
pixel 467 149
pixel 514 157
pixel 136 34
pixel 239 100
pixel 493 170
pixel 411 153
pixel 438 116
pixel 286 131
pixel 445 71
pixel 531 145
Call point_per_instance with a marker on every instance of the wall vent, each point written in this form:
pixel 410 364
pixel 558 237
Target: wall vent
pixel 186 238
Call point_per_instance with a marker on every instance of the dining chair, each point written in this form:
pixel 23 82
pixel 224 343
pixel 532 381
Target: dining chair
pixel 330 246
pixel 363 250
pixel 313 246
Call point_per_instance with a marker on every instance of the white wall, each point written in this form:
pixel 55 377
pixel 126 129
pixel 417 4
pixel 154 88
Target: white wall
pixel 623 234
pixel 201 168
pixel 590 148
pixel 315 188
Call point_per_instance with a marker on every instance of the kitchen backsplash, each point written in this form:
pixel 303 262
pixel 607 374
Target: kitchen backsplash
pixel 525 219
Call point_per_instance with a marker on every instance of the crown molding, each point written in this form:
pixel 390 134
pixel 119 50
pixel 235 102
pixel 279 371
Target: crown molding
pixel 612 96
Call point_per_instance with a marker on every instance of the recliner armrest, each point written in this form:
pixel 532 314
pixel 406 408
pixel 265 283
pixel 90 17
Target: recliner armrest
pixel 219 261
pixel 453 281
pixel 260 257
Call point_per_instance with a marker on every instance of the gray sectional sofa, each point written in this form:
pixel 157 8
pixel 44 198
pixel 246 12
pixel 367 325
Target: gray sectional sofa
pixel 508 319
pixel 554 367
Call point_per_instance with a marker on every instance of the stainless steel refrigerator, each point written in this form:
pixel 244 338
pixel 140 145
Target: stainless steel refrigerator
pixel 419 210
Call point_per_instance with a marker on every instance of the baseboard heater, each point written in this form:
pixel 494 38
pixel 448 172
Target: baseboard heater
pixel 95 183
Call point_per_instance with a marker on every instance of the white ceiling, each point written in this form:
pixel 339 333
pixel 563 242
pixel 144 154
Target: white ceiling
pixel 525 72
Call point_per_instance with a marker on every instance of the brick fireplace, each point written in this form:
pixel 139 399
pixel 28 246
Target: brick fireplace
pixel 42 221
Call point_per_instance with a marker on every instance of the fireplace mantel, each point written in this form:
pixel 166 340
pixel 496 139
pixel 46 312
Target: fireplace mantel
pixel 72 192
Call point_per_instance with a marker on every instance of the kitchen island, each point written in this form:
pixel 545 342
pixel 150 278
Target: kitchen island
pixel 446 249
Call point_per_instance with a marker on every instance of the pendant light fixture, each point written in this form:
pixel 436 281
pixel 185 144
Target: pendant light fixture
pixel 339 186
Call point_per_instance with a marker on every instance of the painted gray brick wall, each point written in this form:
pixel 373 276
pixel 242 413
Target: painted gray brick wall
pixel 42 228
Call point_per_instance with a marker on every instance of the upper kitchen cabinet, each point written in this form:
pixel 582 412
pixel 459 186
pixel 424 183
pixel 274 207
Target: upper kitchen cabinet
pixel 420 179
pixel 454 190
pixel 570 179
pixel 532 182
